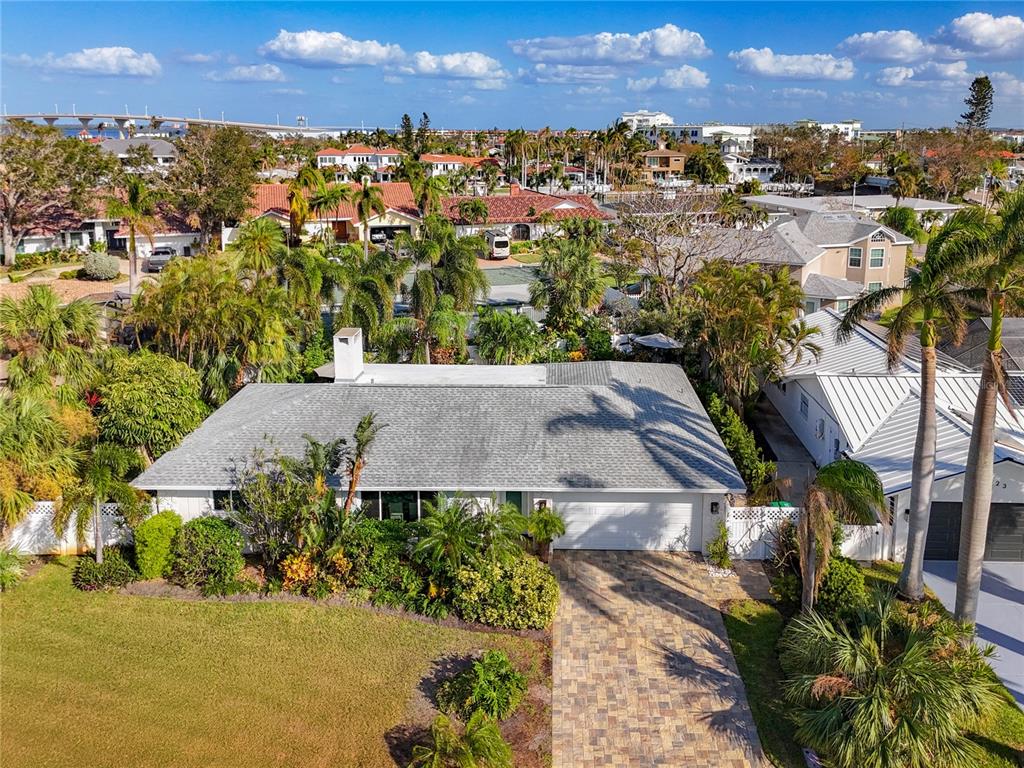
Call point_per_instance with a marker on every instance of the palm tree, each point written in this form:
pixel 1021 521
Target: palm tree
pixel 933 293
pixel 299 189
pixel 451 536
pixel 730 209
pixel 445 264
pixel 368 201
pixel 355 460
pixel 104 478
pixel 261 244
pixel 506 338
pixel 544 526
pixel 479 746
pixel 136 206
pixel 1001 274
pixel 706 165
pixel 326 197
pixel 500 529
pixel 904 185
pixel 569 283
pixel 890 691
pixel 473 210
pixel 844 490
pixel 49 344
pixel 366 287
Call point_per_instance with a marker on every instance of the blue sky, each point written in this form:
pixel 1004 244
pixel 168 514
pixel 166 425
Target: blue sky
pixel 477 65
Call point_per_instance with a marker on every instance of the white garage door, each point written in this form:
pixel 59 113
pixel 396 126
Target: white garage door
pixel 641 521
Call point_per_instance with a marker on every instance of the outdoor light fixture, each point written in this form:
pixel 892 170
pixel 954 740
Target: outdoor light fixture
pixel 714 507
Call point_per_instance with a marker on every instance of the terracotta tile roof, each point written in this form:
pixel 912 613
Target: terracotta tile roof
pixel 168 221
pixel 274 197
pixel 526 207
pixel 357 149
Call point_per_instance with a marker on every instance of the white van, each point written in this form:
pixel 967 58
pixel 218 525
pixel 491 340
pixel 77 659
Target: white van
pixel 497 244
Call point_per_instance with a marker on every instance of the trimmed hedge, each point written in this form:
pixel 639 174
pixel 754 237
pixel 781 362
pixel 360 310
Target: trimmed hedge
pixel 519 594
pixel 113 573
pixel 153 538
pixel 207 554
pixel 740 443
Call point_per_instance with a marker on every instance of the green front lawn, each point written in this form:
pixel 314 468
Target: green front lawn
pixel 105 679
pixel 754 629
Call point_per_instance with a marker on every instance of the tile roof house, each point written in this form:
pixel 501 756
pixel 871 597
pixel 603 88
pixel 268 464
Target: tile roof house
pixel 344 162
pixel 624 451
pixel 519 214
pixel 849 402
pixel 401 215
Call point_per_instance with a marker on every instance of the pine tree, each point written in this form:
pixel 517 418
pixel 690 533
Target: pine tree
pixel 979 105
pixel 423 134
pixel 407 137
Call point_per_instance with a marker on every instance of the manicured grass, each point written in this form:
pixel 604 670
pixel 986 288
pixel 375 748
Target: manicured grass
pixel 528 257
pixel 754 628
pixel 104 679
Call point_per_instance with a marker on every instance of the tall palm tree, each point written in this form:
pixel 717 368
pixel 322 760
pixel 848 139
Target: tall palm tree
pixel 355 459
pixel 368 201
pixel 326 197
pixel 437 337
pixel 104 477
pixel 904 220
pixel 904 185
pixel 843 491
pixel 935 294
pixel 366 287
pixel 298 199
pixel 568 284
pixel 260 243
pixel 49 344
pixel 506 338
pixel 445 264
pixel 135 206
pixel 1001 275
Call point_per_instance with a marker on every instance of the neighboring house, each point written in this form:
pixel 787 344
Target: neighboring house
pixel 643 119
pixel 521 213
pixel 661 166
pixel 850 403
pixel 442 165
pixel 834 256
pixel 69 230
pixel 848 129
pixel 873 205
pixel 164 153
pixel 743 168
pixel 973 350
pixel 344 162
pixel 401 214
pixel 624 452
pixel 731 138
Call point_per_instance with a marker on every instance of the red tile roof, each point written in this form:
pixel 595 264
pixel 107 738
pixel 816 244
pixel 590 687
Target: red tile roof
pixel 274 197
pixel 526 207
pixel 357 149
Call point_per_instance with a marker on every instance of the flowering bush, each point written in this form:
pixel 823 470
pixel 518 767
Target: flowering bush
pixel 298 572
pixel 520 593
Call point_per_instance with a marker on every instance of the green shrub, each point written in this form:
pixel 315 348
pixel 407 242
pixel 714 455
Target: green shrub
pixel 12 569
pixel 842 591
pixel 718 548
pixel 153 539
pixel 207 553
pixel 740 443
pixel 113 573
pixel 71 274
pixel 43 258
pixel 492 684
pixel 101 266
pixel 518 594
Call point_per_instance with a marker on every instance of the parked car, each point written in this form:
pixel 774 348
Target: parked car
pixel 161 257
pixel 497 244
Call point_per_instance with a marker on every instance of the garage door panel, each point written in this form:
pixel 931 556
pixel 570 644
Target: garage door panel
pixel 630 525
pixel 1004 540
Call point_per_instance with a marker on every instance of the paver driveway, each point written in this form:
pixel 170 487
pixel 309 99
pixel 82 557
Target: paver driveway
pixel 643 672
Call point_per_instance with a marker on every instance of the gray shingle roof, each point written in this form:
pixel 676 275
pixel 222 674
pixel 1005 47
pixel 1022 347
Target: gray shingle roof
pixel 825 287
pixel 607 426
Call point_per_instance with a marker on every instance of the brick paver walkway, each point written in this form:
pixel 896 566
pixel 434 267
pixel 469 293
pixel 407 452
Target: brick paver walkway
pixel 643 672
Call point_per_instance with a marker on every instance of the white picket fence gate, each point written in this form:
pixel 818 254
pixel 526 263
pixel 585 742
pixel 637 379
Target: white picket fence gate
pixel 751 534
pixel 34 535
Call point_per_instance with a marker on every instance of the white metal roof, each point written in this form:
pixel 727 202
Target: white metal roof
pixel 863 352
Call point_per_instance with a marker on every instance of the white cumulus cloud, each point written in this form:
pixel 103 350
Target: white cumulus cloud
pixel 313 48
pixel 248 73
pixel 931 73
pixel 764 62
pixel 984 36
pixel 567 73
pixel 799 94
pixel 664 42
pixel 899 45
pixel 198 58
pixel 113 61
pixel 471 65
pixel 678 79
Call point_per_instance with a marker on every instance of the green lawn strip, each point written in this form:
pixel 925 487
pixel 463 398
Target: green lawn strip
pixel 118 680
pixel 528 257
pixel 754 628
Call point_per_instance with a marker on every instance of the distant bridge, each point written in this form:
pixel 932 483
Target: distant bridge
pixel 156 121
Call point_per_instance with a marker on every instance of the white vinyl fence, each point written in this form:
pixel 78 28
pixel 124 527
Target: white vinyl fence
pixel 751 532
pixel 34 535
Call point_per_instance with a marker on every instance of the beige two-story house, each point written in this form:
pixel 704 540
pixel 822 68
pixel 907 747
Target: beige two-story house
pixel 661 166
pixel 835 256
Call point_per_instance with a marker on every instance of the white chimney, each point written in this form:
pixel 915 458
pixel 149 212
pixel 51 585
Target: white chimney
pixel 348 354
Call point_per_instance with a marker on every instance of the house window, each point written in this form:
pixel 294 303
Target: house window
pixel 856 256
pixel 842 305
pixel 222 501
pixel 877 258
pixel 878 237
pixel 805 405
pixel 872 287
pixel 514 497
pixel 399 505
pixel 810 306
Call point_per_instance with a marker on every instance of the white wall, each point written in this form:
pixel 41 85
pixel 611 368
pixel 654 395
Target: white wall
pixel 34 535
pixel 177 241
pixel 188 504
pixel 819 443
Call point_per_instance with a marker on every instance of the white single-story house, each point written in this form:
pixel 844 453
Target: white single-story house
pixel 849 403
pixel 623 451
